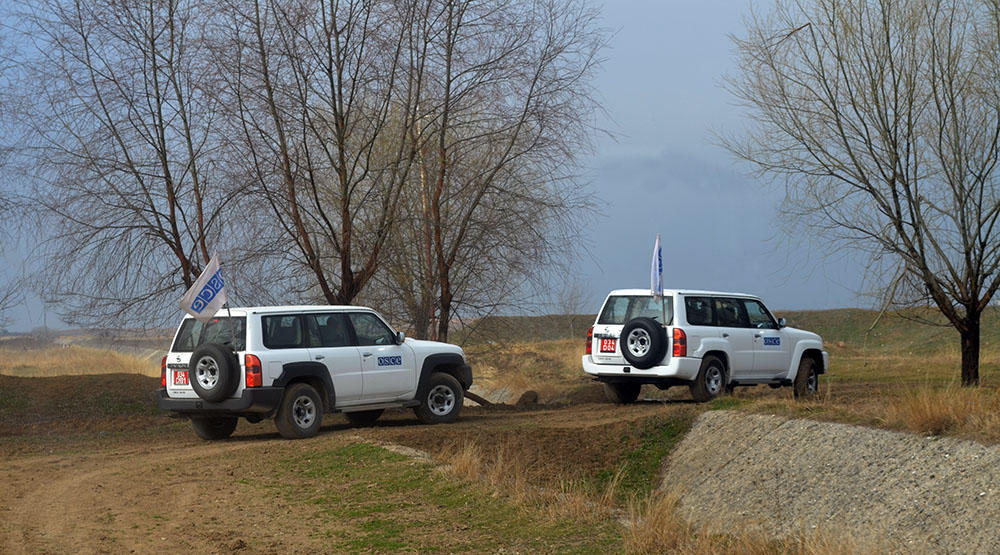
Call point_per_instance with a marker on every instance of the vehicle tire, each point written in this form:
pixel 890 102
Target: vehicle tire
pixel 300 413
pixel 643 342
pixel 622 393
pixel 441 400
pixel 364 417
pixel 213 372
pixel 807 379
pixel 711 380
pixel 214 427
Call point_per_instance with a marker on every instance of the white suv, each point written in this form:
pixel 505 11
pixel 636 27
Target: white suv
pixel 707 340
pixel 295 363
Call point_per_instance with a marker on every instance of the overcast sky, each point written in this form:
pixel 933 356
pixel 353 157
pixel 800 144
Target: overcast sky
pixel 662 89
pixel 662 86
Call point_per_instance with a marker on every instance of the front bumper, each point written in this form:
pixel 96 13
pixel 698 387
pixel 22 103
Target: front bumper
pixel 677 368
pixel 256 400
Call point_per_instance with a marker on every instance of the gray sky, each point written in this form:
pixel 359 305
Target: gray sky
pixel 662 88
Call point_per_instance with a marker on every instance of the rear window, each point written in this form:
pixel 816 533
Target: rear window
pixel 218 330
pixel 620 309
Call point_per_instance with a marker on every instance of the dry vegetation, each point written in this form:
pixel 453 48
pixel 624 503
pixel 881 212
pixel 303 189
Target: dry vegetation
pixel 71 360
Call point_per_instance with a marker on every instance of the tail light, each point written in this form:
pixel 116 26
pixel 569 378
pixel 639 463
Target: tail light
pixel 680 343
pixel 590 340
pixel 163 371
pixel 251 366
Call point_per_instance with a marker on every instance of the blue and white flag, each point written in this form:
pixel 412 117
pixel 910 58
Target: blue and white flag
pixel 208 293
pixel 656 270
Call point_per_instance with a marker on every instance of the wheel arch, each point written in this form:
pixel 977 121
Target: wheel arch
pixel 724 358
pixel 449 363
pixel 312 373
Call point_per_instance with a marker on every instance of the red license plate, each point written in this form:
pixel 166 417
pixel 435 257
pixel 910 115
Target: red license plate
pixel 180 377
pixel 608 345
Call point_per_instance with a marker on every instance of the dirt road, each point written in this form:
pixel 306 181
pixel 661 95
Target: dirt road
pixel 165 490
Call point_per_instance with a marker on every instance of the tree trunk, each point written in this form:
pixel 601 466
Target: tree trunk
pixel 970 350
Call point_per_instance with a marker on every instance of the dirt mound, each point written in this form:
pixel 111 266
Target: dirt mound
pixel 786 476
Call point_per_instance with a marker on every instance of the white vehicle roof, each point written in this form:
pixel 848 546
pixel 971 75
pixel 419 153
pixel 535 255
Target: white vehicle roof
pixel 684 292
pixel 243 311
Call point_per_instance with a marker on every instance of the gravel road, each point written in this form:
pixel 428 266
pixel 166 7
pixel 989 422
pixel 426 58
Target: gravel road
pixel 895 490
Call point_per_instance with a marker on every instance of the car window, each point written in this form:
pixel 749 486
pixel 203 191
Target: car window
pixel 328 330
pixel 282 331
pixel 729 313
pixel 699 310
pixel 620 309
pixel 759 316
pixel 193 334
pixel 370 330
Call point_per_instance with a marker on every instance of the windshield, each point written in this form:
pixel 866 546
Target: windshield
pixel 621 309
pixel 193 333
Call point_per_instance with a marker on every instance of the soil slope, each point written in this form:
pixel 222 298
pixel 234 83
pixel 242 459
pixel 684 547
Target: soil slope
pixel 785 476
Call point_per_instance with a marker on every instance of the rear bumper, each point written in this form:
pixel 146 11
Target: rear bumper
pixel 678 368
pixel 257 400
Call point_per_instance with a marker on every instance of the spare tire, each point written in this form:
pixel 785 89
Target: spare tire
pixel 643 342
pixel 213 372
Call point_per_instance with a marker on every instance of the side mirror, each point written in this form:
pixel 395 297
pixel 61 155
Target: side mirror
pixel 400 337
pixel 781 323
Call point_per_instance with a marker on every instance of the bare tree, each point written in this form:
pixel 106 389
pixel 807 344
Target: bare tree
pixel 505 111
pixel 124 125
pixel 883 120
pixel 324 92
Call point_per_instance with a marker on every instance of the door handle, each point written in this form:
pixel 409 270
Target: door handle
pixel 756 335
pixel 725 335
pixel 366 355
pixel 320 357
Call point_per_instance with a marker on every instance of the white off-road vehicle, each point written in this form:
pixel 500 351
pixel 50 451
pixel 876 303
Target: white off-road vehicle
pixel 295 363
pixel 707 340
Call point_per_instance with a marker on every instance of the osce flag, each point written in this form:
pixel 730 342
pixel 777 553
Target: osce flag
pixel 208 293
pixel 656 270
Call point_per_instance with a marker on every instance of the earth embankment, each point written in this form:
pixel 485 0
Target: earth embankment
pixel 786 476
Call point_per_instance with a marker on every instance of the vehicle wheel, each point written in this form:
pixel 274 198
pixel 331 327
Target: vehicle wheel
pixel 622 393
pixel 711 380
pixel 807 379
pixel 214 427
pixel 300 413
pixel 213 372
pixel 441 400
pixel 643 342
pixel 364 417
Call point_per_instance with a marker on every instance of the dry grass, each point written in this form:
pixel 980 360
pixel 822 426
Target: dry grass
pixel 954 410
pixel 506 475
pixel 549 367
pixel 72 361
pixel 656 527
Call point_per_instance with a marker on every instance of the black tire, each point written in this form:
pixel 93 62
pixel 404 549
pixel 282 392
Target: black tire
pixel 440 399
pixel 363 418
pixel 643 342
pixel 711 380
pixel 213 372
pixel 214 427
pixel 300 413
pixel 807 379
pixel 622 393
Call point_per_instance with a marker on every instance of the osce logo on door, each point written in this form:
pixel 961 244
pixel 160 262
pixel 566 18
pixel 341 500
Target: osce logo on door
pixel 772 341
pixel 390 361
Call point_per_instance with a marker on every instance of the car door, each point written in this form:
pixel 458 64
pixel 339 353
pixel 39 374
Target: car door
pixel 388 370
pixel 731 319
pixel 332 345
pixel 771 352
